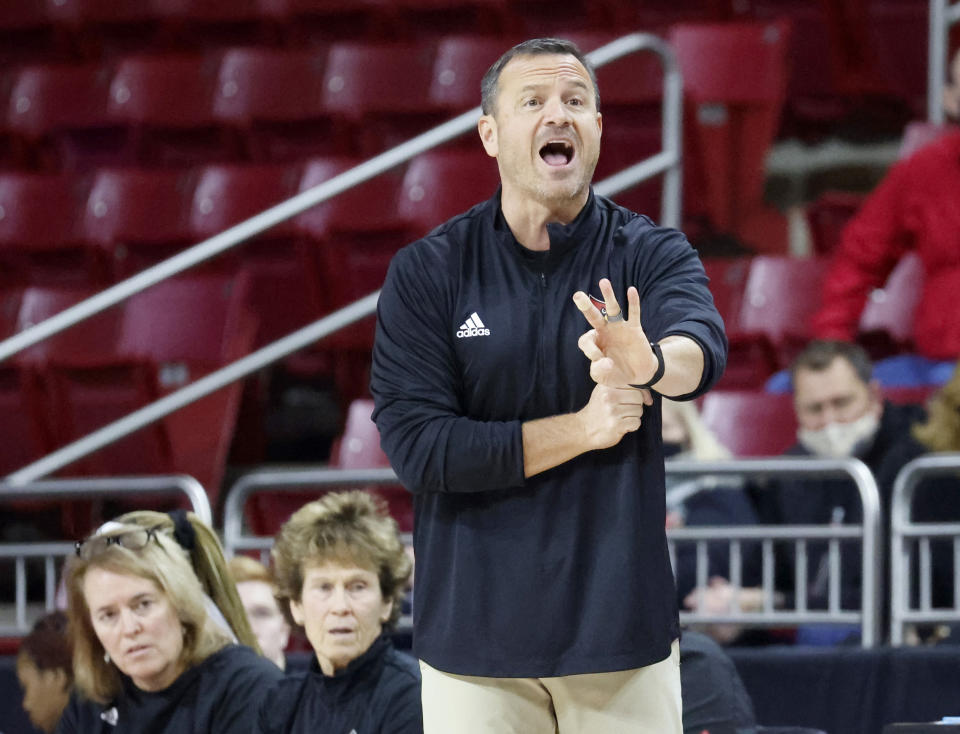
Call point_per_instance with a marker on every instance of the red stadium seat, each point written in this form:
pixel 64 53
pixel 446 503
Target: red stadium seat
pixel 89 341
pixel 359 448
pixel 311 22
pixel 168 103
pixel 347 247
pixel 139 216
pixel 827 216
pixel 751 423
pixel 40 240
pixel 161 347
pixel 274 99
pixel 99 28
pixel 279 287
pixel 26 34
pixel 728 281
pixel 208 23
pixel 23 430
pixel 886 324
pixel 380 91
pixel 432 18
pixel 459 65
pixel 737 116
pixel 61 112
pixel 781 295
pixel 443 183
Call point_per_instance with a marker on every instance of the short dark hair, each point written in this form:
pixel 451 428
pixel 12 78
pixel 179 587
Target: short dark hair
pixel 47 645
pixel 819 354
pixel 533 47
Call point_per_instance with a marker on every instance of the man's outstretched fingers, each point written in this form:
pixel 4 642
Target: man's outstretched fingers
pixel 589 311
pixel 610 301
pixel 633 303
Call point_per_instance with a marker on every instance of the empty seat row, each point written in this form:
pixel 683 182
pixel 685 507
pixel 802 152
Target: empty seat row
pixel 353 98
pixel 767 302
pixel 113 222
pixel 120 360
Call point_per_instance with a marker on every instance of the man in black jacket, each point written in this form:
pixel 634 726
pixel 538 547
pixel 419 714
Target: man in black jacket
pixel 543 594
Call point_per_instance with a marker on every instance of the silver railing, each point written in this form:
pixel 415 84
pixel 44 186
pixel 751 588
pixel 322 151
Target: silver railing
pixel 52 553
pixel 667 162
pixel 908 537
pixel 867 533
pixel 943 14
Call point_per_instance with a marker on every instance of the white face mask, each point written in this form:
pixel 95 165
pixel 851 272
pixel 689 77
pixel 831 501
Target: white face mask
pixel 840 440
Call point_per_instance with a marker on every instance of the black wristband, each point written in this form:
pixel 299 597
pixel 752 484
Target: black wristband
pixel 661 368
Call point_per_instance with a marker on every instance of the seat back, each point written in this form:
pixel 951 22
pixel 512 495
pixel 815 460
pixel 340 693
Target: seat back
pixel 737 109
pixel 443 183
pixel 753 423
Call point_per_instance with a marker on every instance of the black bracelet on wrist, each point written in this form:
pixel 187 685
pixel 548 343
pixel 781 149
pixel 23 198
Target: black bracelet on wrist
pixel 661 367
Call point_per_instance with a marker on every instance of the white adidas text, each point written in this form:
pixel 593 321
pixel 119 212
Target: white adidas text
pixel 473 326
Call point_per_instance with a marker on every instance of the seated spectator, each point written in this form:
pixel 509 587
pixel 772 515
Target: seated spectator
pixel 341 571
pixel 153 619
pixel 913 209
pixel 44 671
pixel 840 413
pixel 257 591
pixel 701 500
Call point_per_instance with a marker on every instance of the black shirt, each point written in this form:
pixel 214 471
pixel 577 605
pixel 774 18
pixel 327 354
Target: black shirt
pixel 378 693
pixel 566 572
pixel 219 696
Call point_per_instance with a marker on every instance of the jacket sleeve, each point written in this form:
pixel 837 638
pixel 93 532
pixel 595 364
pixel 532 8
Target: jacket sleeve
pixel 675 299
pixel 432 445
pixel 871 244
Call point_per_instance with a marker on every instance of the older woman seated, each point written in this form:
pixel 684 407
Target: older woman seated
pixel 341 570
pixel 153 617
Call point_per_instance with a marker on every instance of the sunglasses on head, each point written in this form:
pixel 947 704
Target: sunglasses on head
pixel 134 539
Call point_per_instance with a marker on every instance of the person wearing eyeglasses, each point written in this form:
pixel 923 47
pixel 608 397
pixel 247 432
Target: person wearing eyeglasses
pixel 155 620
pixel 341 572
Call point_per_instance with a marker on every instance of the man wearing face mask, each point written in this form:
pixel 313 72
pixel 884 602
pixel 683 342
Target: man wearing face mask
pixel 840 413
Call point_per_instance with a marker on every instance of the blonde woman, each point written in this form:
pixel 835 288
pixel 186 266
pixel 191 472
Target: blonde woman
pixel 155 618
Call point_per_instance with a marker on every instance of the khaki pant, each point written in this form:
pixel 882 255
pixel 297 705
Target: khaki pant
pixel 641 701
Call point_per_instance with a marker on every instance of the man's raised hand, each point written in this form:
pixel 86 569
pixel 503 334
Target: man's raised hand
pixel 617 347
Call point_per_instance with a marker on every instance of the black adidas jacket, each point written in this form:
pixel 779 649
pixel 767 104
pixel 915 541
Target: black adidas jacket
pixel 378 693
pixel 221 695
pixel 566 572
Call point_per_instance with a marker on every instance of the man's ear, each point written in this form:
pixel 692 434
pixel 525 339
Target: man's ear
pixel 951 101
pixel 600 124
pixel 487 127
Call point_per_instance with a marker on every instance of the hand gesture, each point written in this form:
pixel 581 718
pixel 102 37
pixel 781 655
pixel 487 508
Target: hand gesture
pixel 619 351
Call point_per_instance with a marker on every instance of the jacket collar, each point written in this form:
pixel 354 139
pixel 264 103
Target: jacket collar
pixel 563 237
pixel 357 672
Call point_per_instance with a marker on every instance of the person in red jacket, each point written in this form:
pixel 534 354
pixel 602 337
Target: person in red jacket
pixel 915 208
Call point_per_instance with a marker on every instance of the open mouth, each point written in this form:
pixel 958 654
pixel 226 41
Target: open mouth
pixel 557 153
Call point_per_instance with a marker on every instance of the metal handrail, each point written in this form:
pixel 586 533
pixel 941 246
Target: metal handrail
pixel 869 532
pixel 51 552
pixel 903 531
pixel 667 162
pixel 943 15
